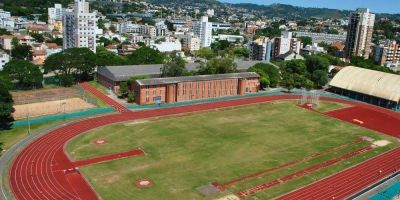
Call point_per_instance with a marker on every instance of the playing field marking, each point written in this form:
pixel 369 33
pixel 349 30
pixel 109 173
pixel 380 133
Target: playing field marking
pixel 266 171
pixel 306 171
pixel 110 157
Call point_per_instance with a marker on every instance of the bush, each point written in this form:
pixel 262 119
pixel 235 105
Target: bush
pixel 131 97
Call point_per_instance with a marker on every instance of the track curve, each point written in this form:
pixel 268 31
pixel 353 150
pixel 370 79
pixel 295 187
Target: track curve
pixel 43 171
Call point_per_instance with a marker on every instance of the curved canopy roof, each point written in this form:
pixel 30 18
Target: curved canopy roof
pixel 370 82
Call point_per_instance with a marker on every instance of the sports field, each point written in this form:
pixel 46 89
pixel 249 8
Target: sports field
pixel 185 152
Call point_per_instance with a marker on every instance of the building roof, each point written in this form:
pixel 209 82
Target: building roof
pixel 169 80
pixel 370 82
pixel 122 73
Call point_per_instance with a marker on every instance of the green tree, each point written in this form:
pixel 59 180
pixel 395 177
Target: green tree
pixel 38 37
pixel 71 64
pixel 131 97
pixel 206 53
pixel 123 89
pixel 112 28
pixel 264 81
pixel 288 81
pixel 271 71
pixel 220 45
pixel 25 73
pixel 241 52
pixel 22 52
pixel 104 41
pixel 320 78
pixel 146 55
pixel 6 105
pixel 133 79
pixel 4 31
pixel 105 57
pixel 333 31
pixel 218 66
pixel 306 40
pixel 316 62
pixel 175 67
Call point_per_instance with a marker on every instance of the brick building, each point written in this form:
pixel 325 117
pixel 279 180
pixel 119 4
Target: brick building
pixel 187 88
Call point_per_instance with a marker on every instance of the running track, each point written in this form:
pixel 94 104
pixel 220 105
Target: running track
pixel 43 171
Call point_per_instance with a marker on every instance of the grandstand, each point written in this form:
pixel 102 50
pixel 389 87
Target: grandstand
pixel 374 87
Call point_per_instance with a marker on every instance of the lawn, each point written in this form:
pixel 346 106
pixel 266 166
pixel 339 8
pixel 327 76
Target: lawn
pixel 188 151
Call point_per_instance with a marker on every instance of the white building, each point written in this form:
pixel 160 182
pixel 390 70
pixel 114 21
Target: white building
pixel 221 26
pixel 128 27
pixel 168 46
pixel 4 59
pixel 286 43
pixel 229 38
pixel 55 13
pixel 5 20
pixel 203 29
pixel 210 12
pixel 190 42
pixel 4 14
pixel 79 27
pixel 312 49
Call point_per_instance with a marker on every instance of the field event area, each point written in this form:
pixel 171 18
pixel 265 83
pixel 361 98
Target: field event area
pixel 236 148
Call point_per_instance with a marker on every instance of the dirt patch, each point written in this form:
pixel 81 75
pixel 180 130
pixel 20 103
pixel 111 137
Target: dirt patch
pixel 143 183
pixel 50 108
pixel 41 95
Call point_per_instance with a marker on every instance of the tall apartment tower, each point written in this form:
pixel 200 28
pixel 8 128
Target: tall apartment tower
pixel 203 29
pixel 260 49
pixel 359 33
pixel 79 27
pixel 286 43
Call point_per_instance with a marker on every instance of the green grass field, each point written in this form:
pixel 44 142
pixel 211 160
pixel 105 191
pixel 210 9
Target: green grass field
pixel 188 151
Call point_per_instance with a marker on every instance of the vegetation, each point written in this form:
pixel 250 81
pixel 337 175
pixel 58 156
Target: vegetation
pixel 306 40
pixel 26 74
pixel 205 53
pixel 174 67
pixel 368 64
pixel 105 57
pixel 146 55
pixel 71 65
pixel 269 74
pixel 6 104
pixel 216 152
pixel 21 52
pixel 272 31
pixel 218 66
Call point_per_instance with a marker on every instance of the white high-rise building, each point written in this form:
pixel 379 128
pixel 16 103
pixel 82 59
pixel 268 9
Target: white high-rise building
pixel 359 33
pixel 203 29
pixel 80 27
pixel 55 13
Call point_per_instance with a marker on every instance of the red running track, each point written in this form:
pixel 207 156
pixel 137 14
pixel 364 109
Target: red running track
pixel 39 171
pixel 86 86
pixel 110 157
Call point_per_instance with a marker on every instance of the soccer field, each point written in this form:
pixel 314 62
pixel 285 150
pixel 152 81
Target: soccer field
pixel 183 153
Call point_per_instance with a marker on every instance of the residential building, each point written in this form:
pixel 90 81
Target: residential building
pixel 312 49
pixel 190 42
pixel 6 42
pixel 168 46
pixel 55 13
pixel 5 20
pixel 359 33
pixel 260 49
pixel 79 27
pixel 290 55
pixel 4 59
pixel 221 26
pixel 188 88
pixel 387 53
pixel 203 29
pixel 286 43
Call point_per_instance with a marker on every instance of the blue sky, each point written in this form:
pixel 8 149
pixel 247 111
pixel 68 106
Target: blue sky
pixel 377 6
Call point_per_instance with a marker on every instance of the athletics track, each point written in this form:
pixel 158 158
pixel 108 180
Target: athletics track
pixel 43 171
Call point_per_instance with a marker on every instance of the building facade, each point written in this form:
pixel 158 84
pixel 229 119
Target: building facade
pixel 359 33
pixel 286 43
pixel 321 37
pixel 260 49
pixel 4 59
pixel 80 27
pixel 188 88
pixel 387 54
pixel 203 29
pixel 55 13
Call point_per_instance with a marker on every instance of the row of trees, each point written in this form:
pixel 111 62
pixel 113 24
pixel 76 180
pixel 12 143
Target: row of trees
pixel 6 103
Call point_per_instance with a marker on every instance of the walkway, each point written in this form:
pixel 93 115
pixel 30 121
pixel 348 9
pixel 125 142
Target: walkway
pixel 120 108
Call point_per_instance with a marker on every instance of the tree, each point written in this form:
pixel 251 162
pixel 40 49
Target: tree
pixel 4 31
pixel 218 66
pixel 112 28
pixel 320 78
pixel 306 40
pixel 6 105
pixel 288 81
pixel 38 37
pixel 107 58
pixel 241 52
pixel 104 41
pixel 146 55
pixel 27 74
pixel 71 64
pixel 269 70
pixel 206 53
pixel 123 89
pixel 264 81
pixel 175 67
pixel 133 79
pixel 316 63
pixel 220 45
pixel 333 31
pixel 22 52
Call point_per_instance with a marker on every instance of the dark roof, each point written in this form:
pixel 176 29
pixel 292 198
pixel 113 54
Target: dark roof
pixel 122 73
pixel 169 80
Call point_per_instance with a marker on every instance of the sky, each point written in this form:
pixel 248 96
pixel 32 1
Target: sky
pixel 376 6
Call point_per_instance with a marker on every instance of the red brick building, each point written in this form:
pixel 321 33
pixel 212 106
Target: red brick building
pixel 187 88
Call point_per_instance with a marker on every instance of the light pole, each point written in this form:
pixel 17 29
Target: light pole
pixel 63 104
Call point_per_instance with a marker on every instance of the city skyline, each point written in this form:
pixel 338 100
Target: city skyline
pixel 389 6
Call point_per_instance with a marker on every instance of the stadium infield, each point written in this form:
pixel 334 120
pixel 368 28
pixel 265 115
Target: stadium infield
pixel 188 151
